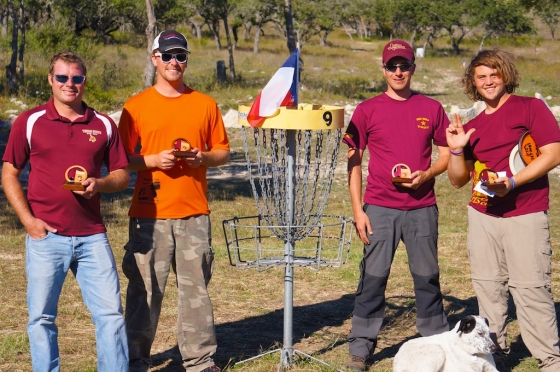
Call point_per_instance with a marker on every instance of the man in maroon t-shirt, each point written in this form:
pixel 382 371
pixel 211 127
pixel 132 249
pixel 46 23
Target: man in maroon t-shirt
pixel 64 227
pixel 508 239
pixel 398 128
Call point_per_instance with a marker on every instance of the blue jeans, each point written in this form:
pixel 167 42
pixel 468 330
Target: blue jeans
pixel 91 260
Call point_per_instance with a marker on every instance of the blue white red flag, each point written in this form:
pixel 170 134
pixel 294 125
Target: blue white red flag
pixel 281 90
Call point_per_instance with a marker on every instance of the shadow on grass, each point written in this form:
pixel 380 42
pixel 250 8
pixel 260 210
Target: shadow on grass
pixel 252 336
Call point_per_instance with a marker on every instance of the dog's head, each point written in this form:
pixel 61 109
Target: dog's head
pixel 474 332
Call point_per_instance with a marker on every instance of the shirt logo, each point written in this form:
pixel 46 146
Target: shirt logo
pixel 91 133
pixel 422 123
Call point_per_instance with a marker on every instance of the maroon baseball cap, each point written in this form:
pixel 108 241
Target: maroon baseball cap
pixel 170 39
pixel 397 48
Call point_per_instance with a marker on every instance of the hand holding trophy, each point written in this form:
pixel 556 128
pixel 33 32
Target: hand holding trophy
pixel 182 148
pixel 74 176
pixel 401 173
pixel 488 179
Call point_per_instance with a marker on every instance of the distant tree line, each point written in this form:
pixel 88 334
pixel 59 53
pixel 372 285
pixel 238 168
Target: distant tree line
pixel 298 21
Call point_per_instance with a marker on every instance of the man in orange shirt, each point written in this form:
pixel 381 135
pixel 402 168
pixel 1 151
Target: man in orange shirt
pixel 169 215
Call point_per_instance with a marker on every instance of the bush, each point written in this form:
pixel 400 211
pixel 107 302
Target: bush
pixel 52 38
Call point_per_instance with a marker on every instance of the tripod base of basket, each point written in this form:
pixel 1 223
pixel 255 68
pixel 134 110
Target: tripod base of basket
pixel 253 245
pixel 287 358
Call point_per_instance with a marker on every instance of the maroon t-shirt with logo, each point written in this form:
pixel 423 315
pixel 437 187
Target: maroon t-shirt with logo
pixel 490 147
pixel 51 144
pixel 397 132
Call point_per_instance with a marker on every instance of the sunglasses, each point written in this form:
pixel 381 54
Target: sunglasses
pixel 403 66
pixel 62 79
pixel 167 57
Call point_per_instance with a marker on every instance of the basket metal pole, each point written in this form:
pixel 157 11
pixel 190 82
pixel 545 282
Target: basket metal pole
pixel 288 348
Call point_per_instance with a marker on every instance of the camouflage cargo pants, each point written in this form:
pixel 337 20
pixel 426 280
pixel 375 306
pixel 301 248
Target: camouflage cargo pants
pixel 154 246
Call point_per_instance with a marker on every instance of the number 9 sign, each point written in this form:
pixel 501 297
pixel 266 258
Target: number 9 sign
pixel 327 117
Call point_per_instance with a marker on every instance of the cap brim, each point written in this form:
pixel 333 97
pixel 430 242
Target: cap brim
pixel 174 47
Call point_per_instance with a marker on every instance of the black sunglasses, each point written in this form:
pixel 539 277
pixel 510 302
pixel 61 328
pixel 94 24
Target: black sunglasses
pixel 403 66
pixel 167 57
pixel 62 79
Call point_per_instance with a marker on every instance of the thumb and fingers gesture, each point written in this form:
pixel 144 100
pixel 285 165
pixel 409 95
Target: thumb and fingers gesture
pixel 455 134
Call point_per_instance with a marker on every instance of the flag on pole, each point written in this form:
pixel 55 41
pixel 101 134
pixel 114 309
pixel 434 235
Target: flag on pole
pixel 281 90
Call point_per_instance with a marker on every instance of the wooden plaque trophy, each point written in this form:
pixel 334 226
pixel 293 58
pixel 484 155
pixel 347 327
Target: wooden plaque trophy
pixel 488 179
pixel 401 173
pixel 74 182
pixel 181 148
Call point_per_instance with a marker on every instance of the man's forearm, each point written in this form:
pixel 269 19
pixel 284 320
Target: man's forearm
pixel 215 158
pixel 15 195
pixel 114 181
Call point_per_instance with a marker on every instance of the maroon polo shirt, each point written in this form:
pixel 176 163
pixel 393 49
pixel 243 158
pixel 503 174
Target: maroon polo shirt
pixel 51 144
pixel 397 132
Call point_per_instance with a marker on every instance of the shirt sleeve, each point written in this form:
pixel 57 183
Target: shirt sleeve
pixel 440 138
pixel 542 123
pixel 218 139
pixel 17 149
pixel 127 130
pixel 355 135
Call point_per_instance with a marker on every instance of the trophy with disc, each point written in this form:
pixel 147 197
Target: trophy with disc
pixel 488 179
pixel 182 149
pixel 401 173
pixel 74 176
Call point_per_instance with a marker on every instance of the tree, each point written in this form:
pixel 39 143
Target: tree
pixel 500 17
pixel 11 69
pixel 257 13
pixel 549 12
pixel 452 16
pixel 289 22
pixel 149 69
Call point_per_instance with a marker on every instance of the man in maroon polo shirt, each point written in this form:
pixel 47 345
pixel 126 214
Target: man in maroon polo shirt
pixel 64 228
pixel 398 128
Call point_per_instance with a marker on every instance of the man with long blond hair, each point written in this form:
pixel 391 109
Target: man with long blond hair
pixel 508 239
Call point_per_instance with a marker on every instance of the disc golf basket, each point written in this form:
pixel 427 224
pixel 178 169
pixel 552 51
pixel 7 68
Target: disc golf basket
pixel 291 161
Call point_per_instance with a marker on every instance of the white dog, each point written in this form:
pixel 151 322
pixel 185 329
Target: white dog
pixel 466 348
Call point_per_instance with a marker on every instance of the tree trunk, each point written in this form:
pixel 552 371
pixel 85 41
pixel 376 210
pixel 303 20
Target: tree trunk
pixel 323 38
pixel 235 37
pixel 5 17
pixel 11 73
pixel 215 26
pixel 482 41
pixel 22 43
pixel 290 36
pixel 247 30
pixel 149 69
pixel 230 46
pixel 257 39
pixel 347 31
pixel 412 39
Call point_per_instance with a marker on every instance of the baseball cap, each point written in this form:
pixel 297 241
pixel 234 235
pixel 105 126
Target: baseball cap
pixel 397 48
pixel 170 39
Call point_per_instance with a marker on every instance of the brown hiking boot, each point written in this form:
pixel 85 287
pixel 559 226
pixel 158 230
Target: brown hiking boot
pixel 356 363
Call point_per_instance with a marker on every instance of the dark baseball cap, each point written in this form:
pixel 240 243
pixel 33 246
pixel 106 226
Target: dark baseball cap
pixel 170 39
pixel 397 48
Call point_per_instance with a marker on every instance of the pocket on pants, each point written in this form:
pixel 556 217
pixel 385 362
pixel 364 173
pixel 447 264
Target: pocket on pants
pixel 129 264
